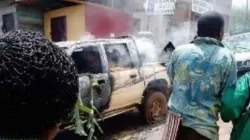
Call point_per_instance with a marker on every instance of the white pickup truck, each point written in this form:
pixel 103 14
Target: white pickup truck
pixel 125 83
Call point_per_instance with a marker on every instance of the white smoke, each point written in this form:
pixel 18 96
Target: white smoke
pixel 147 49
pixel 164 28
pixel 87 36
pixel 181 33
pixel 177 33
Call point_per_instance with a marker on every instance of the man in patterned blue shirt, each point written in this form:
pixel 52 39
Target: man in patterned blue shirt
pixel 199 72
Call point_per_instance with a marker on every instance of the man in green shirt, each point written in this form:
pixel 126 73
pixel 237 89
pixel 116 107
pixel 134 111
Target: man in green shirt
pixel 235 108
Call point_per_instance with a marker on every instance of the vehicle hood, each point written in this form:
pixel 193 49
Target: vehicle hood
pixel 242 56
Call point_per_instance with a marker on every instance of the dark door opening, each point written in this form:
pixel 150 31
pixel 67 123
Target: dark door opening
pixel 59 29
pixel 8 23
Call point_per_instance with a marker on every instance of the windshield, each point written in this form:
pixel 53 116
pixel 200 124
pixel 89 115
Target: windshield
pixel 238 44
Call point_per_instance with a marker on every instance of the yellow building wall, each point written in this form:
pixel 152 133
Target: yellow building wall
pixel 75 17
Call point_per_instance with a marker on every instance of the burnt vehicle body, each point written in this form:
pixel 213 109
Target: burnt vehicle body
pixel 125 83
pixel 240 45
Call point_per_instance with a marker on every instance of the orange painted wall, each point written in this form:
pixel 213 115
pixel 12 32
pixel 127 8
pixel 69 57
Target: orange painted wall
pixel 75 17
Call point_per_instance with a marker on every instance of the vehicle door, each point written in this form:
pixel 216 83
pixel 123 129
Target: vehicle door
pixel 89 64
pixel 123 66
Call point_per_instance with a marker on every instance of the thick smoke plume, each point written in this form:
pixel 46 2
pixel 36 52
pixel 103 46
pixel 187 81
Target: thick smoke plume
pixel 147 50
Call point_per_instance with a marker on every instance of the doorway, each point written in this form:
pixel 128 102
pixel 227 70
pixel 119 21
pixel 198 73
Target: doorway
pixel 8 22
pixel 59 29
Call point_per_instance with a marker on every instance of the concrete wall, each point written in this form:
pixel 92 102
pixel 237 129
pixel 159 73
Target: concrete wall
pixel 181 27
pixel 225 8
pixel 166 28
pixel 75 16
pixel 222 6
pixel 5 8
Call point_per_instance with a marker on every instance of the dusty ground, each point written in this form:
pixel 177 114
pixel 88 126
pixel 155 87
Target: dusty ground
pixel 131 127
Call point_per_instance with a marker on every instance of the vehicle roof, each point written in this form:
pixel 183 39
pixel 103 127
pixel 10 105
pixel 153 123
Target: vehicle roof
pixel 67 44
pixel 235 36
pixel 145 32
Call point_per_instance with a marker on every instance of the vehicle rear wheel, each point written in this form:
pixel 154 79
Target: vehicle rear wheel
pixel 154 107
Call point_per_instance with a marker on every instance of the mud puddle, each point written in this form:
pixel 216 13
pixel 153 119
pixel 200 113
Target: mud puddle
pixel 131 126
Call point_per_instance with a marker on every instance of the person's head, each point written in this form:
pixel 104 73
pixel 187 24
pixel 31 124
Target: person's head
pixel 92 54
pixel 211 24
pixel 38 86
pixel 115 56
pixel 93 58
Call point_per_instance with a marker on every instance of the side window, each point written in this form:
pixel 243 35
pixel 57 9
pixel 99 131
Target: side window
pixel 87 60
pixel 118 56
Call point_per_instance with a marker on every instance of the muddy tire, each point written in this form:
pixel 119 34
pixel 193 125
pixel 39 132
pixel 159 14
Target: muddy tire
pixel 154 107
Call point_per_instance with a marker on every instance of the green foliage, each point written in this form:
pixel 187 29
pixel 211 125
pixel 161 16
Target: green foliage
pixel 85 119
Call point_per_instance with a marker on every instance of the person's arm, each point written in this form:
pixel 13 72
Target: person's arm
pixel 234 95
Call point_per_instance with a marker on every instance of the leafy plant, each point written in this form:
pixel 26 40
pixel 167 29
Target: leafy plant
pixel 85 118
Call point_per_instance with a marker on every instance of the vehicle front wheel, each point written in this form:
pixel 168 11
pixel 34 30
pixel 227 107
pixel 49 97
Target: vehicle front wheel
pixel 154 107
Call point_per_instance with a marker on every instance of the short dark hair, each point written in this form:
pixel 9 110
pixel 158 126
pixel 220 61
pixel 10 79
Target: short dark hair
pixel 210 24
pixel 38 85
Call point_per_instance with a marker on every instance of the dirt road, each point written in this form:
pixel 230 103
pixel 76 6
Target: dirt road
pixel 131 127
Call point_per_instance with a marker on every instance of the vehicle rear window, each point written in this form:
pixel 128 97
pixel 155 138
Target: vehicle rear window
pixel 118 56
pixel 87 60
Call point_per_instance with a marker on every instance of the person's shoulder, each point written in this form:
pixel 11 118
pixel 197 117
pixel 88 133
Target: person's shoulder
pixel 183 48
pixel 225 56
pixel 226 52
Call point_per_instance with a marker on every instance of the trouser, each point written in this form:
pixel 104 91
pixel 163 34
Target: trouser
pixel 186 133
